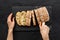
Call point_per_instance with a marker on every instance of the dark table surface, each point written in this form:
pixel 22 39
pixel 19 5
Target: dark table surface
pixel 5 9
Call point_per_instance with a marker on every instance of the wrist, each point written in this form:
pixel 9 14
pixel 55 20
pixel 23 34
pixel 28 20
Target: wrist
pixel 45 37
pixel 10 30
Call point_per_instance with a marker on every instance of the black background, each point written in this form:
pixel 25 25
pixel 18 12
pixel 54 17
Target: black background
pixel 5 10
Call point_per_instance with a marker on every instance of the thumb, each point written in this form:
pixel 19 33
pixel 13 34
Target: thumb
pixel 43 23
pixel 13 19
pixel 40 23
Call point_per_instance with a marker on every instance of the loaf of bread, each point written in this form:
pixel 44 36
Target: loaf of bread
pixel 24 17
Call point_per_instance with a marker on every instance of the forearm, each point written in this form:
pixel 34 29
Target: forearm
pixel 10 35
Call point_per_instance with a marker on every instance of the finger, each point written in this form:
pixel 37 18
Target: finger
pixel 40 26
pixel 43 23
pixel 40 23
pixel 13 19
pixel 9 17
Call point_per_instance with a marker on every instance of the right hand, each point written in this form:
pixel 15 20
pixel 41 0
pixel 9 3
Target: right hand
pixel 44 29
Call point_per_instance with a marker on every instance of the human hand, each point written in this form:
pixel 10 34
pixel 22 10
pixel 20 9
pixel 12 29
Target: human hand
pixel 10 22
pixel 44 30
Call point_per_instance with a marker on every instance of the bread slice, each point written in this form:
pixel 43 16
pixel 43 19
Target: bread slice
pixel 43 13
pixel 28 18
pixel 33 17
pixel 37 15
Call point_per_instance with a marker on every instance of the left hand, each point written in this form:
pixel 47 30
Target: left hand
pixel 10 22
